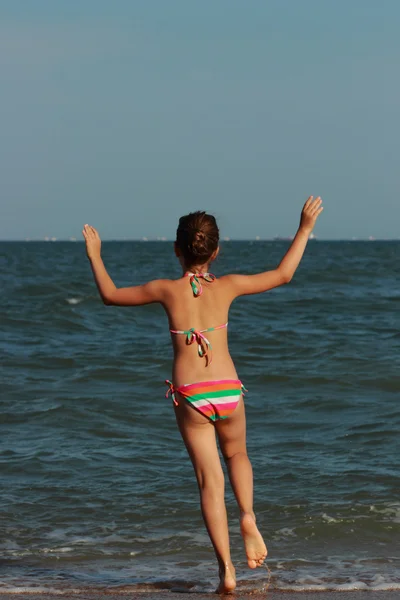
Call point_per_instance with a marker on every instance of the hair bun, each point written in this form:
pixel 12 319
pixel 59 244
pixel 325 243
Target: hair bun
pixel 197 237
pixel 198 245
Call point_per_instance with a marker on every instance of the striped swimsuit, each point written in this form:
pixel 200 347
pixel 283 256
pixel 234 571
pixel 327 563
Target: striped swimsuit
pixel 214 399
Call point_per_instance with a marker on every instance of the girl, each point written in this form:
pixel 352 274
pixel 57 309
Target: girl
pixel 205 388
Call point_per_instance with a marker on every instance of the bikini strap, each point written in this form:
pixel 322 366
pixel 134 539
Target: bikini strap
pixel 195 281
pixel 204 347
pixel 171 390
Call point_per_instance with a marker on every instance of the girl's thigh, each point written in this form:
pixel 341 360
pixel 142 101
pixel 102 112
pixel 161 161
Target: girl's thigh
pixel 198 434
pixel 232 432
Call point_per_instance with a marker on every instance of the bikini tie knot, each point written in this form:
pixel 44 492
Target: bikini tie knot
pixel 195 281
pixel 171 390
pixel 203 344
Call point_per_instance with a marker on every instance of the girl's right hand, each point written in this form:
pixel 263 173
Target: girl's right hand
pixel 93 242
pixel 311 210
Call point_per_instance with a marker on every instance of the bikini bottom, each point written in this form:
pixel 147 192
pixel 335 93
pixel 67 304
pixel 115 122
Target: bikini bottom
pixel 214 399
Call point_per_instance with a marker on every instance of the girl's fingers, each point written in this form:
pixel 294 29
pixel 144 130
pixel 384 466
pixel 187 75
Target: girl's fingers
pixel 308 202
pixel 312 205
pixel 95 232
pixel 316 204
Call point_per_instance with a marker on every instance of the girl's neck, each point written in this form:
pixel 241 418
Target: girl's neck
pixel 196 269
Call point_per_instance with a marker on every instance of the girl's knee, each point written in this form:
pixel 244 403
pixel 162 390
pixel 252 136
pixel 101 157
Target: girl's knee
pixel 211 479
pixel 228 456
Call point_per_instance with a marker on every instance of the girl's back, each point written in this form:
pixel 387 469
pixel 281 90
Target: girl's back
pixel 200 313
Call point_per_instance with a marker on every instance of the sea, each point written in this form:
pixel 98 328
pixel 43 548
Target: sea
pixel 96 488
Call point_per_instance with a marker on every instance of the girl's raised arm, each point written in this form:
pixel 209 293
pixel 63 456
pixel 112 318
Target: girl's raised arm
pixel 254 284
pixel 153 291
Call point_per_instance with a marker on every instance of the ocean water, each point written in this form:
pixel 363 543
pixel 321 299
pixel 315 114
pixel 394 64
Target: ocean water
pixel 96 488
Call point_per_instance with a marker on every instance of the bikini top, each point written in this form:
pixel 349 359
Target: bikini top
pixel 204 347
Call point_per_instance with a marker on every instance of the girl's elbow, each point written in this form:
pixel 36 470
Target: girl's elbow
pixel 287 278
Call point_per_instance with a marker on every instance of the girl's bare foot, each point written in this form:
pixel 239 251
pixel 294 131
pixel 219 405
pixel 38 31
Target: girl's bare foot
pixel 227 579
pixel 256 550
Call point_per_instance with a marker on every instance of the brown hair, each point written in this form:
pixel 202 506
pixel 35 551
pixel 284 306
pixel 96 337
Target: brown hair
pixel 197 237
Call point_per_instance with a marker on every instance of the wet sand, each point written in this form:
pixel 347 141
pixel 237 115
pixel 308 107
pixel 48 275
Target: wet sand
pixel 273 594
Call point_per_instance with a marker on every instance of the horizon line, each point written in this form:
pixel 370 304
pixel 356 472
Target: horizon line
pixel 146 239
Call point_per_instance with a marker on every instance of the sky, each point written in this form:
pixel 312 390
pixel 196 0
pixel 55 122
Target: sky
pixel 128 114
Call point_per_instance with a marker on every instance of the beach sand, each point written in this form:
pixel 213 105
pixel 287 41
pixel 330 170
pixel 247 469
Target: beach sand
pixel 273 594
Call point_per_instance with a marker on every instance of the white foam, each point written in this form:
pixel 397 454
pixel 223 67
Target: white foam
pixel 74 300
pixel 314 584
pixel 386 587
pixel 351 586
pixel 62 549
pixel 318 586
pixel 390 510
pixel 284 533
pixel 329 519
pixel 380 583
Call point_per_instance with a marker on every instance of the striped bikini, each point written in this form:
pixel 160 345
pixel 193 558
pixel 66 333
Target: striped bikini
pixel 214 399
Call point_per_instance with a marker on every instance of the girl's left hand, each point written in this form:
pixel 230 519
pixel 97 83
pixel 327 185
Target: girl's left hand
pixel 93 242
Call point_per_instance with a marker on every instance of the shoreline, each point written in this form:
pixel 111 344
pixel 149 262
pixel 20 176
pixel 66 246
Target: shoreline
pixel 163 595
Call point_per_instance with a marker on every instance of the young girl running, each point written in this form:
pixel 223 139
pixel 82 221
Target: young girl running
pixel 205 388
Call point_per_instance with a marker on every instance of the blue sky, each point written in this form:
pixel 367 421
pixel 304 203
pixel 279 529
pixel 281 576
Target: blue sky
pixel 127 114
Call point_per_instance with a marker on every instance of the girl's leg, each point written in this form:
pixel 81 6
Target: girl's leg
pixel 198 433
pixel 232 438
